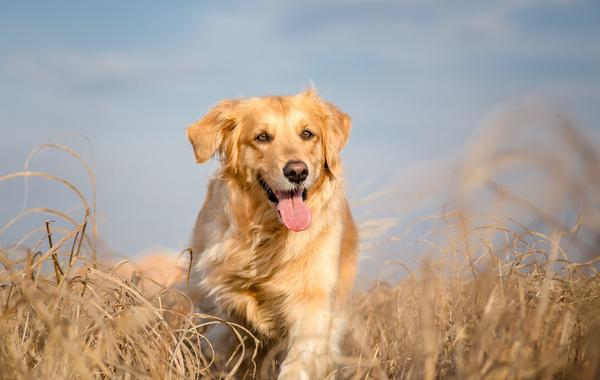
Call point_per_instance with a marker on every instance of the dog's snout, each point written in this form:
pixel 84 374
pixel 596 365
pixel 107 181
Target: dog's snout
pixel 295 171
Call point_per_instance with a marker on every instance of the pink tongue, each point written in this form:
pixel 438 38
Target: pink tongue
pixel 293 212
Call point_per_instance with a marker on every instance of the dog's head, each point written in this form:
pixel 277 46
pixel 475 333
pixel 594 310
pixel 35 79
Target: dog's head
pixel 285 144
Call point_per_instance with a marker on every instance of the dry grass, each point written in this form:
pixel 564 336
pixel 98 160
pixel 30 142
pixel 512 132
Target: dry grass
pixel 517 318
pixel 495 300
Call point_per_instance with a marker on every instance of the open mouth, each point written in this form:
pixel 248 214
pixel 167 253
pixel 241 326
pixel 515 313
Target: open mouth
pixel 293 212
pixel 271 194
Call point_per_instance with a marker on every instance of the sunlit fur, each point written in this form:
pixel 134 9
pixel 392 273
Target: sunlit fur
pixel 285 286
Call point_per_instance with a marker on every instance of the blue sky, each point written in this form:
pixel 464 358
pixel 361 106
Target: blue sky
pixel 416 76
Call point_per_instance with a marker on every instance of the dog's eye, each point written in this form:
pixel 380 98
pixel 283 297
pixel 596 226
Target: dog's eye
pixel 306 134
pixel 263 138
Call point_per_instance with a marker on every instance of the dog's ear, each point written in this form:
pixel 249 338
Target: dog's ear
pixel 208 133
pixel 335 136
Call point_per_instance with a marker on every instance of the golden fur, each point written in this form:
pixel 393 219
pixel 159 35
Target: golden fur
pixel 285 286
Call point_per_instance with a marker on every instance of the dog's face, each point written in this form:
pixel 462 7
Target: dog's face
pixel 284 144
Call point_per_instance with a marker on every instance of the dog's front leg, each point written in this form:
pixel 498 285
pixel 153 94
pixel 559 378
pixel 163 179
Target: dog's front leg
pixel 310 354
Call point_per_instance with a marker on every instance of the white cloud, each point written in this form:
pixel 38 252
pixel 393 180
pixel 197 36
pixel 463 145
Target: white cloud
pixel 251 41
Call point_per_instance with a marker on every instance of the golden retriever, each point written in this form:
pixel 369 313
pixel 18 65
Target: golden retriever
pixel 275 244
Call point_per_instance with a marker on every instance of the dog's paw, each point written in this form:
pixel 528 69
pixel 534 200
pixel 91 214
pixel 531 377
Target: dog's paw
pixel 293 372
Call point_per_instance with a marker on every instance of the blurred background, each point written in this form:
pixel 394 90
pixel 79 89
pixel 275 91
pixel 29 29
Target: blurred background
pixel 420 79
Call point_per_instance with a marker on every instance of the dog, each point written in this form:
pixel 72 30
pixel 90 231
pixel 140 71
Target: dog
pixel 275 244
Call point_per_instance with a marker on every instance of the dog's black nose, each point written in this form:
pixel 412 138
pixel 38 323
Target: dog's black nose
pixel 295 171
